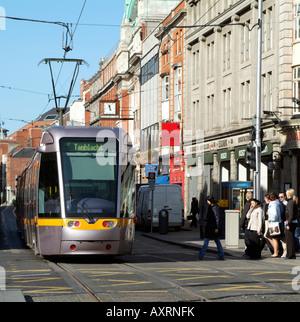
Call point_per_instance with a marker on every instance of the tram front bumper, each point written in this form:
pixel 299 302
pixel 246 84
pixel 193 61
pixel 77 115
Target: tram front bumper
pixel 75 247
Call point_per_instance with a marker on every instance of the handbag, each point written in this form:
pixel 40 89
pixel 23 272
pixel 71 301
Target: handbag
pixel 274 228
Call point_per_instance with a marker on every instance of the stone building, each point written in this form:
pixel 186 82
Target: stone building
pixel 221 90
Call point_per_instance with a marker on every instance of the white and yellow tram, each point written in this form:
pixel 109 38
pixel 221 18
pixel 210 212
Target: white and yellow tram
pixel 76 196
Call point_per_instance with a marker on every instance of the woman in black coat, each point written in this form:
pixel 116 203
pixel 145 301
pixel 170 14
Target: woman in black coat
pixel 291 212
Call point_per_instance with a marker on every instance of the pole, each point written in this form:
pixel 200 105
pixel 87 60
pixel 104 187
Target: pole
pixel 152 210
pixel 1 133
pixel 257 174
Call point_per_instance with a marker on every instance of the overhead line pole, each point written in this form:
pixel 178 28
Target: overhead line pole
pixel 257 173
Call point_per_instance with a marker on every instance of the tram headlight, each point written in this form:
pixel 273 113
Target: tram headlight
pixel 74 224
pixel 108 224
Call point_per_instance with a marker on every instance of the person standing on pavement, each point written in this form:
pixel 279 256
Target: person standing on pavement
pixel 212 228
pixel 283 201
pixel 194 211
pixel 255 216
pixel 291 222
pixel 244 221
pixel 274 214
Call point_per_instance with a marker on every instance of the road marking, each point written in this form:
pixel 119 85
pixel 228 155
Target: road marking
pixel 43 289
pixel 268 273
pixel 144 291
pixel 231 288
pixel 125 282
pixel 31 275
pixel 201 277
pixel 29 270
pixel 110 274
pixel 42 279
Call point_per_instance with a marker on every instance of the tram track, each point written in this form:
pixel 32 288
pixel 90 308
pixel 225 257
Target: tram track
pixel 81 284
pixel 164 280
pixel 132 267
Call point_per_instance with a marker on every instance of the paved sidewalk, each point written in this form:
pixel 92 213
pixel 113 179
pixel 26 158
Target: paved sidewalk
pixel 190 238
pixel 10 296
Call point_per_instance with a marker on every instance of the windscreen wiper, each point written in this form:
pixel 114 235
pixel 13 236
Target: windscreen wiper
pixel 84 209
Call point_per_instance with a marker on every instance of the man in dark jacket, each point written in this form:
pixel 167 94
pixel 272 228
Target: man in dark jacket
pixel 194 211
pixel 212 228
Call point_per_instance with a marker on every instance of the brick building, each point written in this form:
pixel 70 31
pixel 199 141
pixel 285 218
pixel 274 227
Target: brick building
pixel 17 149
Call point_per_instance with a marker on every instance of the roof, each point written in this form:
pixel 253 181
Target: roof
pixel 24 153
pixel 50 115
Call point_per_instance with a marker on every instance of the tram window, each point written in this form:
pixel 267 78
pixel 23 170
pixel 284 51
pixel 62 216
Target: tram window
pixel 127 191
pixel 90 178
pixel 49 205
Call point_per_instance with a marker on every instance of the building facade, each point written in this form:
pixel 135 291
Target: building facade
pixel 185 71
pixel 221 90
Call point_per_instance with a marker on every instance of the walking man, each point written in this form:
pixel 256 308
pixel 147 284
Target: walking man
pixel 212 228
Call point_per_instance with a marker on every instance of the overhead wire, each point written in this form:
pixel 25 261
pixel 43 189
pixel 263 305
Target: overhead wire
pixel 65 52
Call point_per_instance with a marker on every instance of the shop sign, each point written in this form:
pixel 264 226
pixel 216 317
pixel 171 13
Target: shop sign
pixel 170 134
pixel 223 155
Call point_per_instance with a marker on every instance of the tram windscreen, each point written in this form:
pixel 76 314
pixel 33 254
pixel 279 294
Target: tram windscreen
pixel 90 177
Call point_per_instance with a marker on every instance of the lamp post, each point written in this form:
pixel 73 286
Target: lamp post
pixel 257 173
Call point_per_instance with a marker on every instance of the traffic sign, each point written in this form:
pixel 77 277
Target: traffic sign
pixel 151 168
pixel 151 180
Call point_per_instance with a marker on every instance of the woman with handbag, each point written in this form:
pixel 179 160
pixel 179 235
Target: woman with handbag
pixel 255 216
pixel 274 223
pixel 291 212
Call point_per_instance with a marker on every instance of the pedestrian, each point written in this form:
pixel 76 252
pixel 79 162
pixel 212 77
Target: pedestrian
pixel 194 211
pixel 244 221
pixel 212 228
pixel 266 216
pixel 274 218
pixel 283 202
pixel 255 216
pixel 291 222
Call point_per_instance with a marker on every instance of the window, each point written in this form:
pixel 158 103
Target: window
pixel 246 44
pixel 210 59
pixel 165 88
pixel 178 47
pixel 245 99
pixel 296 88
pixel 149 70
pixel 297 21
pixel 90 177
pixel 227 51
pixel 226 107
pixel 267 91
pixel 210 112
pixel 177 93
pixel 49 202
pixel 267 29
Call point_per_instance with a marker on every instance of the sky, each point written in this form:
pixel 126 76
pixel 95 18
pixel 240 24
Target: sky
pixel 25 85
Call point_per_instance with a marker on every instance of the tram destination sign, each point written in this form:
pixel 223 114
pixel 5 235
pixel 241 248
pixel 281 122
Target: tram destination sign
pixel 82 146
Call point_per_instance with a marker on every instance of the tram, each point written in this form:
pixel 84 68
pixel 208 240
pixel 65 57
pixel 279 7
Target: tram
pixel 76 196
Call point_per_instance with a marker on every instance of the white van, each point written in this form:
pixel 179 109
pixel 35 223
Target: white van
pixel 166 196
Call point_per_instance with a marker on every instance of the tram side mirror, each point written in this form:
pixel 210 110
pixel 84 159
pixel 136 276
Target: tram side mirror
pixel 46 139
pixel 41 148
